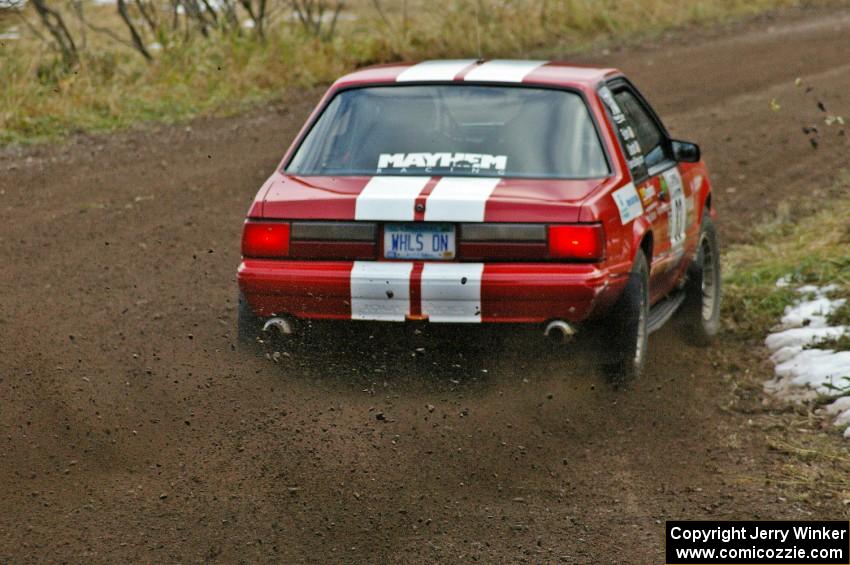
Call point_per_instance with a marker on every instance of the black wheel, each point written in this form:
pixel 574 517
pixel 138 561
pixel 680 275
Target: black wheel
pixel 626 329
pixel 700 311
pixel 249 326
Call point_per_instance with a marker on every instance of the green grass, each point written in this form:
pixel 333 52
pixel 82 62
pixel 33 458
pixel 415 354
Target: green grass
pixel 113 87
pixel 814 249
pixel 841 317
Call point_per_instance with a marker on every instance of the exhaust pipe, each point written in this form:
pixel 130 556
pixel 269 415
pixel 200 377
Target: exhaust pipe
pixel 281 326
pixel 559 330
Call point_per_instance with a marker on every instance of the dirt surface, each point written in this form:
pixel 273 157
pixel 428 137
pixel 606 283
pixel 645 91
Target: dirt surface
pixel 133 430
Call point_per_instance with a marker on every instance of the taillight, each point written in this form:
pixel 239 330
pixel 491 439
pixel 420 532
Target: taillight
pixel 584 242
pixel 265 240
pixel 333 240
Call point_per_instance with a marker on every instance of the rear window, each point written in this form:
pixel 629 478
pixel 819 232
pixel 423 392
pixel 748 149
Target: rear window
pixel 449 130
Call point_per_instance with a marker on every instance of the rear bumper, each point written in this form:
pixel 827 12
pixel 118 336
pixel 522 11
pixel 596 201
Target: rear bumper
pixel 438 292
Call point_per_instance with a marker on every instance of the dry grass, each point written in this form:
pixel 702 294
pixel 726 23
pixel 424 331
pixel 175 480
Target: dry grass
pixel 813 250
pixel 114 87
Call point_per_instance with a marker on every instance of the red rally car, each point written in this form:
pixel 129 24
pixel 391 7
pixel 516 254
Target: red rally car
pixel 500 191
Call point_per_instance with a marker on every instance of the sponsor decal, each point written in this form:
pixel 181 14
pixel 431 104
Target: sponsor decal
pixel 616 113
pixel 633 148
pixel 691 210
pixel 635 162
pixel 628 203
pixel 607 97
pixel 647 193
pixel 696 183
pixel 676 220
pixel 465 162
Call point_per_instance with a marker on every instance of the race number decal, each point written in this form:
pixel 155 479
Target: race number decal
pixel 676 219
pixel 628 203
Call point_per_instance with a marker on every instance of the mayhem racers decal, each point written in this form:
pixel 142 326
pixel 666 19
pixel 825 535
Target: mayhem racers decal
pixel 453 162
pixel 628 203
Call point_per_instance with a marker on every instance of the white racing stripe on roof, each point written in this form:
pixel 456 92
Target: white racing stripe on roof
pixel 389 198
pixel 503 70
pixel 380 290
pixel 434 70
pixel 459 199
pixel 451 292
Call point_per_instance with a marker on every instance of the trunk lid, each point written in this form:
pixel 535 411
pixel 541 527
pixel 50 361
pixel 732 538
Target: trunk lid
pixel 473 199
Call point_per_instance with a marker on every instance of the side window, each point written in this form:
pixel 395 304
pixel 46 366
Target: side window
pixel 627 132
pixel 651 138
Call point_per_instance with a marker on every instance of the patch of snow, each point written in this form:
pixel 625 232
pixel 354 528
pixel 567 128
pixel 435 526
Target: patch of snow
pixel 823 370
pixel 802 337
pixel 802 373
pixel 10 33
pixel 248 24
pixel 12 4
pixel 839 406
pixel 843 419
pixel 783 282
pixel 155 46
pixel 811 313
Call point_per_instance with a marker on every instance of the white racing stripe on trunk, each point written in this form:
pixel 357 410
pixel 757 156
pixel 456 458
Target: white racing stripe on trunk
pixel 380 291
pixel 459 199
pixel 389 198
pixel 451 292
pixel 434 70
pixel 503 70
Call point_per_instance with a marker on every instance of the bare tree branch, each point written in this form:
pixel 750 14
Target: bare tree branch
pixel 257 15
pixel 55 24
pixel 105 31
pixel 311 14
pixel 148 14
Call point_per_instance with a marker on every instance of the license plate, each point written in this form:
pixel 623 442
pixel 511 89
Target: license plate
pixel 419 241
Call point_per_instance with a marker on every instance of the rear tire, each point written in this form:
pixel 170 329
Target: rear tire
pixel 249 326
pixel 701 308
pixel 626 329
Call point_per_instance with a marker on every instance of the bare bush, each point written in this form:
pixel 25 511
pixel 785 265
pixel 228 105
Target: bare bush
pixel 135 36
pixel 62 42
pixel 257 12
pixel 312 14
